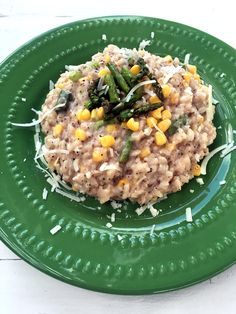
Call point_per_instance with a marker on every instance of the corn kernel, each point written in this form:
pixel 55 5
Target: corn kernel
pixel 94 114
pixel 107 58
pixel 57 130
pixel 170 146
pixel 100 113
pixel 124 125
pixel 187 77
pixel 80 134
pixel 168 59
pixel 75 187
pixel 160 138
pixel 103 72
pixel 99 156
pixel 192 69
pixel 83 115
pixel 59 85
pixel 135 69
pixel 164 125
pixel 144 152
pixel 196 170
pixel 166 114
pixel 111 128
pixel 122 182
pixel 154 99
pixel 157 113
pixel 166 90
pixel 174 98
pixel 197 77
pixel 132 124
pixel 107 141
pixel 151 122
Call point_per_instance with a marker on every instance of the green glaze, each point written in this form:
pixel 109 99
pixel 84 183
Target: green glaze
pixel 85 252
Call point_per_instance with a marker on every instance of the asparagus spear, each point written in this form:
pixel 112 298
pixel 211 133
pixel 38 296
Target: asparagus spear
pixel 109 80
pixel 64 98
pixel 127 75
pixel 124 105
pixel 118 77
pixel 126 149
pixel 126 114
pixel 178 123
pixel 146 108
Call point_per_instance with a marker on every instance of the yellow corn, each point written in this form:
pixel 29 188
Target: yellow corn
pixel 157 113
pixel 122 182
pixel 192 69
pixel 197 77
pixel 107 58
pixel 132 124
pixel 144 152
pixel 196 170
pixel 103 72
pixel 107 141
pixel 94 114
pixel 154 99
pixel 166 90
pixel 100 113
pixel 135 69
pixel 99 156
pixel 187 77
pixel 166 114
pixel 160 138
pixel 83 115
pixel 164 125
pixel 168 58
pixel 111 128
pixel 59 85
pixel 80 134
pixel 174 98
pixel 57 130
pixel 151 122
pixel 170 146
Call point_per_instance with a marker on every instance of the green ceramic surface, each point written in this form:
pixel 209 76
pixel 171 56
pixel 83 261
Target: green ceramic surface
pixel 85 252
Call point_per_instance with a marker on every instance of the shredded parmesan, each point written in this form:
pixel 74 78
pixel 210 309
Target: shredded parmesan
pixel 109 225
pixel 191 191
pixel 227 150
pixel 115 205
pixel 104 37
pixel 222 182
pixel 23 99
pixel 71 196
pixel 186 59
pixel 208 157
pixel 147 131
pixel 200 181
pixel 144 43
pixel 152 230
pixel 128 96
pixel 169 71
pixel 105 166
pixel 45 194
pixel 119 237
pixel 153 211
pixel 152 35
pixel 113 217
pixel 35 122
pixel 222 75
pixel 189 217
pixel 55 229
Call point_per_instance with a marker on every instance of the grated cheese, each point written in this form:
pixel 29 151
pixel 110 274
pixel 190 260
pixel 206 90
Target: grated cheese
pixel 222 182
pixel 109 225
pixel 71 196
pixel 208 157
pixel 143 44
pixel 152 229
pixel 128 96
pixel 115 204
pixel 153 211
pixel 119 237
pixel 152 35
pixel 222 75
pixel 147 131
pixel 113 217
pixel 187 58
pixel 104 37
pixel 45 194
pixel 23 99
pixel 188 212
pixel 24 160
pixel 191 191
pixel 55 229
pixel 170 71
pixel 230 147
pixel 200 181
pixel 105 166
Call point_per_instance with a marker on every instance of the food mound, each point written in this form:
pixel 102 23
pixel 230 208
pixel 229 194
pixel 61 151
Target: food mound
pixel 128 125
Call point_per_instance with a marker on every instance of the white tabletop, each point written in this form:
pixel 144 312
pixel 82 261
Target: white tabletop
pixel 24 289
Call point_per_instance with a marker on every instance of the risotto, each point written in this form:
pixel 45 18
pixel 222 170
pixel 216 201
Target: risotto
pixel 128 125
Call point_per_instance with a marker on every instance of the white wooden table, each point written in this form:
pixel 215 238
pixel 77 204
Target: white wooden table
pixel 24 289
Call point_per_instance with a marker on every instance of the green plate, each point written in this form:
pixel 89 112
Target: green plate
pixel 130 258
